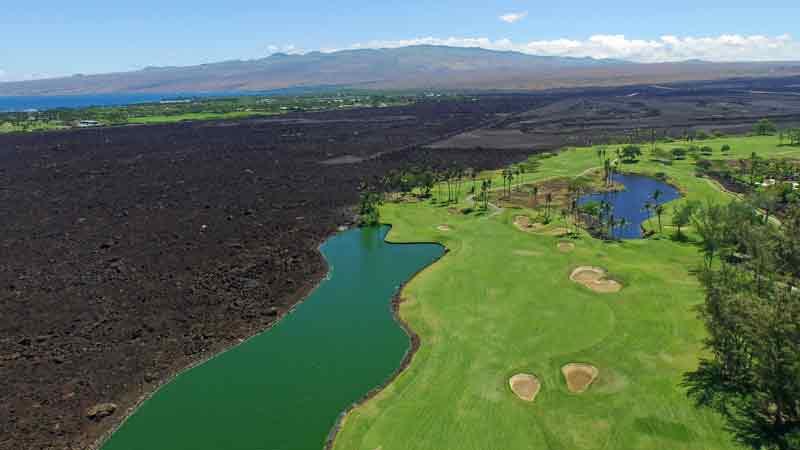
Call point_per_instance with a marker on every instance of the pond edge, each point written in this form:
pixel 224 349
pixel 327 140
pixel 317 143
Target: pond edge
pixel 408 358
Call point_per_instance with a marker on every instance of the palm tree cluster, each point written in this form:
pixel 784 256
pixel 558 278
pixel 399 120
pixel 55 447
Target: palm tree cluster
pixel 422 181
pixel 600 220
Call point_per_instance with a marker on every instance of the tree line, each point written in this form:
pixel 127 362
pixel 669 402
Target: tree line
pixel 750 275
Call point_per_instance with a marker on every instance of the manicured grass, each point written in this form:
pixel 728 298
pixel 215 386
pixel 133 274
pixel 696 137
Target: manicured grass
pixel 8 127
pixel 196 116
pixel 501 302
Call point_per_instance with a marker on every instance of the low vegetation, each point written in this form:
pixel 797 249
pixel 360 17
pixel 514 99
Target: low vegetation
pixel 182 109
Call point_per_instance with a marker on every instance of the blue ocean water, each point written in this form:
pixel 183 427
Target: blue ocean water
pixel 41 103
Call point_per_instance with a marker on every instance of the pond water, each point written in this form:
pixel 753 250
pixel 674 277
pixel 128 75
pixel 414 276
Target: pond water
pixel 284 389
pixel 630 202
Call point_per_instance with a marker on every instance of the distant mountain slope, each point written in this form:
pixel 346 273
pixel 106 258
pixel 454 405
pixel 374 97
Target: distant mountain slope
pixel 415 67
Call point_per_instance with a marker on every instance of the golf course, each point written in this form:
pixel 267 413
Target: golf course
pixel 505 302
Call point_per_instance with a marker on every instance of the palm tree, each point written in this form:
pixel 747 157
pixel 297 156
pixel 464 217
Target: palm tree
pixel 485 185
pixel 548 199
pixel 648 206
pixel 605 214
pixel 656 195
pixel 623 222
pixel 659 211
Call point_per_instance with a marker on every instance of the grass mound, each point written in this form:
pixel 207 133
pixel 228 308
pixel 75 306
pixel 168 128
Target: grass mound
pixel 524 223
pixel 525 386
pixel 595 279
pixel 579 376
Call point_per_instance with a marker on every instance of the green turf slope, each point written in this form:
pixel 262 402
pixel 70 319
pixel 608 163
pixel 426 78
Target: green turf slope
pixel 501 302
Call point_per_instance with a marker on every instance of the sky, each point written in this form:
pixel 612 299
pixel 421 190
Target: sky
pixel 49 38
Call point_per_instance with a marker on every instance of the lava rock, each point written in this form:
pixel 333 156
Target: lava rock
pixel 101 411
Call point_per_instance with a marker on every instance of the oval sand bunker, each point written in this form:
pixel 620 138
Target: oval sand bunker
pixel 595 279
pixel 566 247
pixel 525 386
pixel 579 376
pixel 444 228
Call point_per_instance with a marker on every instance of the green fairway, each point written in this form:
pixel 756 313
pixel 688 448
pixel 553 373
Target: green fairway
pixel 501 302
pixel 197 116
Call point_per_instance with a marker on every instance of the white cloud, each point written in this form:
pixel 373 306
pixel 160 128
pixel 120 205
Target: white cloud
pixel 726 47
pixel 513 17
pixel 289 49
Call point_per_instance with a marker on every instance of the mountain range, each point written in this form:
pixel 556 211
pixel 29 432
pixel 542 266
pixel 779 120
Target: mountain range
pixel 413 67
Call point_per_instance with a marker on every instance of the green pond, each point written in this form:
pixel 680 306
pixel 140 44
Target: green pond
pixel 285 388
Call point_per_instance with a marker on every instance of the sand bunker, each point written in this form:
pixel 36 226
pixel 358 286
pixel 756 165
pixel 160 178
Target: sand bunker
pixel 444 228
pixel 579 376
pixel 525 386
pixel 595 279
pixel 566 247
pixel 523 223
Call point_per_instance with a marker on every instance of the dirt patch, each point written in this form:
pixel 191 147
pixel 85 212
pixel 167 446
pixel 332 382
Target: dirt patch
pixel 345 159
pixel 444 228
pixel 566 247
pixel 595 279
pixel 524 223
pixel 525 386
pixel 557 231
pixel 579 376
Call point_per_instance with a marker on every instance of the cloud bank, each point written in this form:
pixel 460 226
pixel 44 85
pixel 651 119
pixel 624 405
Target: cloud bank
pixel 726 47
pixel 513 17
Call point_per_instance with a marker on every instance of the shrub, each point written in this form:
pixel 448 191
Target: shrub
pixel 725 148
pixel 764 127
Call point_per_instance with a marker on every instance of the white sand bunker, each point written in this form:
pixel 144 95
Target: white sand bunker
pixel 579 376
pixel 524 223
pixel 444 227
pixel 525 386
pixel 595 279
pixel 566 247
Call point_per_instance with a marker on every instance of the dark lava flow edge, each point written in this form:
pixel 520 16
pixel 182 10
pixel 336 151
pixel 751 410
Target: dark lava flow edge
pixel 298 297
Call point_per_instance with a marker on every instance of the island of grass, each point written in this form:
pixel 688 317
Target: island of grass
pixel 486 312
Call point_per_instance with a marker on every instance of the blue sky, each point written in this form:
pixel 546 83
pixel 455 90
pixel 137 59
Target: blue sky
pixel 50 38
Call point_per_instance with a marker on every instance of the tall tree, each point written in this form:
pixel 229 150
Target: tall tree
pixel 751 375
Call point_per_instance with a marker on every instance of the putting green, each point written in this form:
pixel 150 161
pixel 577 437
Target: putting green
pixel 487 311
